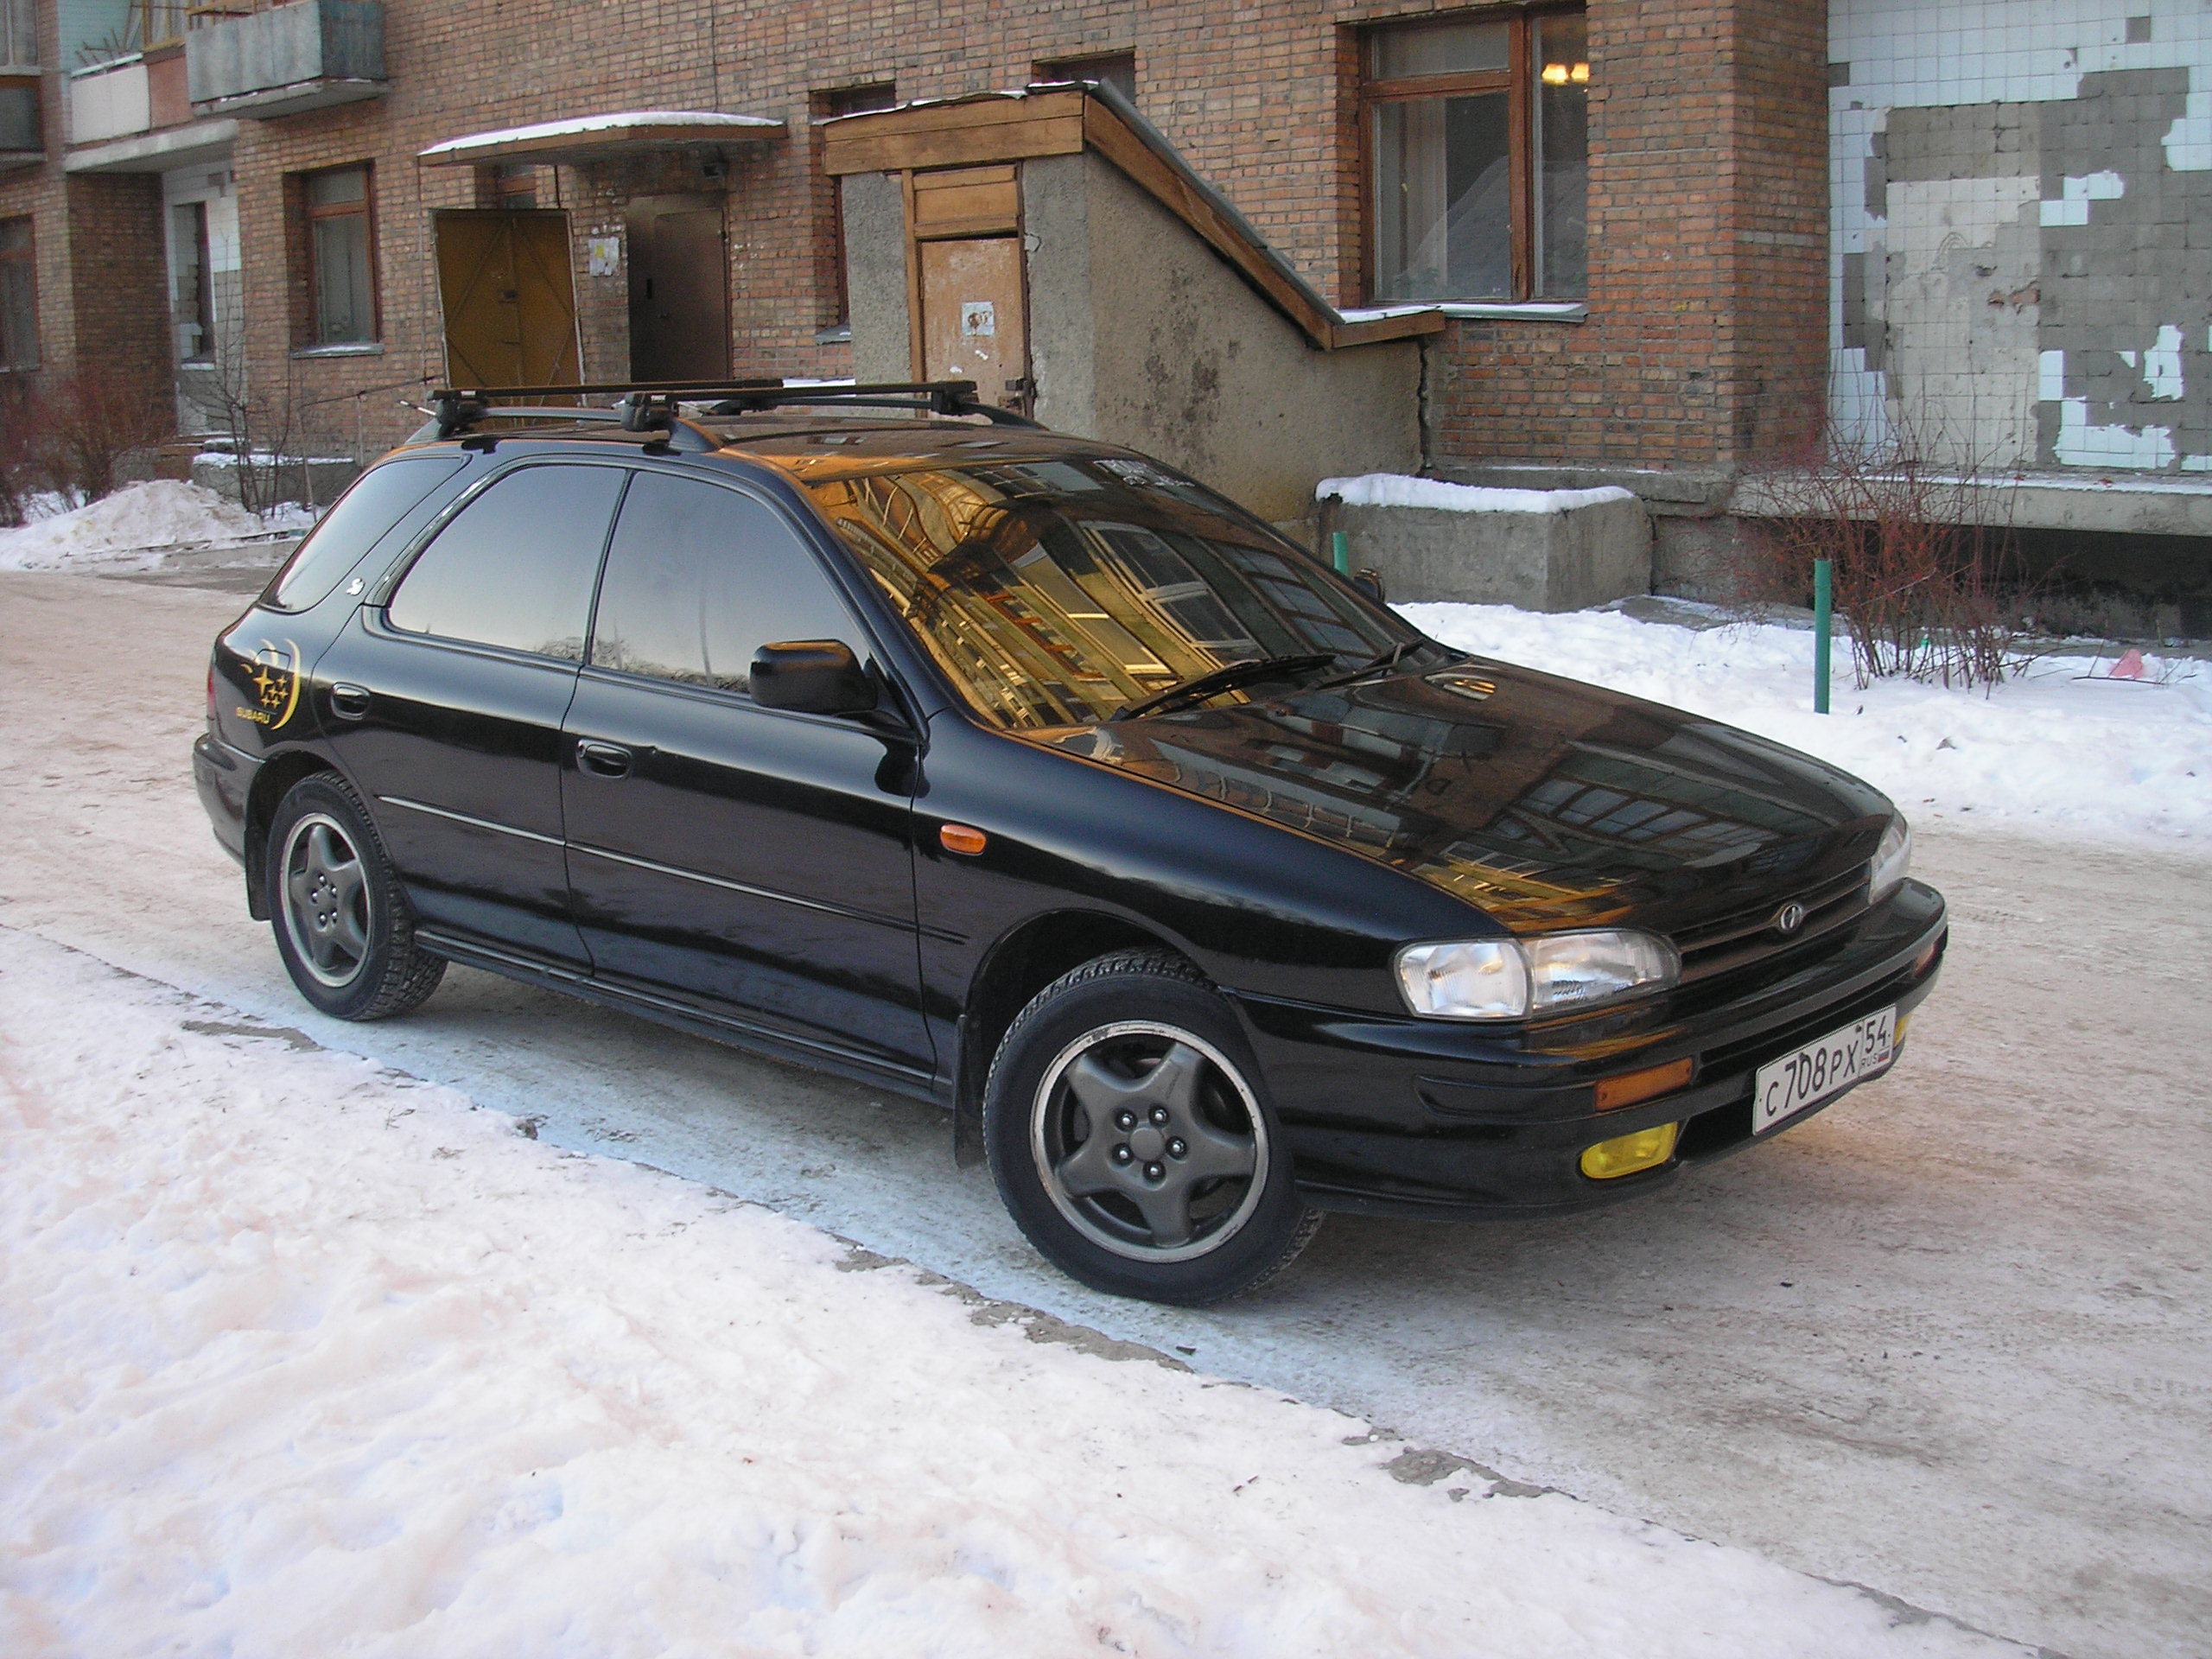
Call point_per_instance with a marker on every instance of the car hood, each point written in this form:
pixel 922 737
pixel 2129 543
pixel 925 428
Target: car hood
pixel 1545 801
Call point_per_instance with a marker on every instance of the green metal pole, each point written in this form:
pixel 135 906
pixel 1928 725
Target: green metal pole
pixel 1823 614
pixel 1340 545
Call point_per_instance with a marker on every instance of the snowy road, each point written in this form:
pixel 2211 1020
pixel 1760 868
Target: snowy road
pixel 1947 1341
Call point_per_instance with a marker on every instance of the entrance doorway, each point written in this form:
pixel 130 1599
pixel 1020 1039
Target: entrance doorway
pixel 509 296
pixel 679 289
pixel 971 317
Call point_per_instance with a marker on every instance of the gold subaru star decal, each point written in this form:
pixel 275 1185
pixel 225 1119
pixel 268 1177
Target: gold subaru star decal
pixel 275 682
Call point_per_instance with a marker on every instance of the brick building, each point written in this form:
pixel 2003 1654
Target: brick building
pixel 1661 230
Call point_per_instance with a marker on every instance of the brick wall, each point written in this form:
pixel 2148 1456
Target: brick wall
pixel 1708 187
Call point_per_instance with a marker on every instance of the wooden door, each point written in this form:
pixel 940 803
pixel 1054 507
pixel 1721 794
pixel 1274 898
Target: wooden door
pixel 509 296
pixel 679 289
pixel 974 324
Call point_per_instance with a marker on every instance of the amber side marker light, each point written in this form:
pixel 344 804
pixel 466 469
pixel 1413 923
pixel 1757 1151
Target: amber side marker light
pixel 1613 1093
pixel 962 838
pixel 1625 1155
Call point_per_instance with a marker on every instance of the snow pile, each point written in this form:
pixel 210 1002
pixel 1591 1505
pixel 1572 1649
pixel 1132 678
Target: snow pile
pixel 2062 748
pixel 1398 490
pixel 300 1356
pixel 124 530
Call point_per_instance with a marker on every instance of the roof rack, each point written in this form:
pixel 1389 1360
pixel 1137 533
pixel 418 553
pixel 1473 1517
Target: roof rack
pixel 650 405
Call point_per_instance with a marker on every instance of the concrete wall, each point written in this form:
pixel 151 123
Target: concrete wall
pixel 2022 233
pixel 875 278
pixel 1140 334
pixel 1566 560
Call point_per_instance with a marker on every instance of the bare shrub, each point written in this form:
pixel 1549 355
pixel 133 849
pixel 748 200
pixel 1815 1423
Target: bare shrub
pixel 1923 586
pixel 19 461
pixel 89 420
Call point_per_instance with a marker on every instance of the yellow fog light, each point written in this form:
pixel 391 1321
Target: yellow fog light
pixel 1625 1156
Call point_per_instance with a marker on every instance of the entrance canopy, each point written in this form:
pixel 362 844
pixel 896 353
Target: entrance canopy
pixel 605 137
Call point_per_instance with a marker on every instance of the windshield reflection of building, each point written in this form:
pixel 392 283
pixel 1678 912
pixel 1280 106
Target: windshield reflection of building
pixel 1056 620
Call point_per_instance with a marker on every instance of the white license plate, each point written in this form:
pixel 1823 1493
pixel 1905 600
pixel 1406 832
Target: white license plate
pixel 1822 1071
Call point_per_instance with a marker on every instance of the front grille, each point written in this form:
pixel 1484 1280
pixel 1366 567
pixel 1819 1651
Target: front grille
pixel 1746 936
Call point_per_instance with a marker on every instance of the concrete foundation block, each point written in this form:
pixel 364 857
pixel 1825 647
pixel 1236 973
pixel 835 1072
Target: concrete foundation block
pixel 1537 550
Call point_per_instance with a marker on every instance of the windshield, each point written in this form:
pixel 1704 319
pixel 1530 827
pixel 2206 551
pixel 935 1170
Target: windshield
pixel 1057 593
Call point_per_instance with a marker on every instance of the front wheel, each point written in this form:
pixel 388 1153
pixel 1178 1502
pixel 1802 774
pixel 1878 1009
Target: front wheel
pixel 1130 1140
pixel 341 922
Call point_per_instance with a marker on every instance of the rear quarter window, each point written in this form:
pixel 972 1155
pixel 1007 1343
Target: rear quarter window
pixel 379 498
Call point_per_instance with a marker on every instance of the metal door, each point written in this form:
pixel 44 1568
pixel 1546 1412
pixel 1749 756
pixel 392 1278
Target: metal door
pixel 974 323
pixel 509 294
pixel 679 289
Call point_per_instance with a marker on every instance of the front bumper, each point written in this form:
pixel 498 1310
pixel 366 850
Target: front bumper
pixel 1404 1116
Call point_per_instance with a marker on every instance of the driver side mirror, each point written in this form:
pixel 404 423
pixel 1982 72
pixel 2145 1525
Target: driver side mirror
pixel 812 676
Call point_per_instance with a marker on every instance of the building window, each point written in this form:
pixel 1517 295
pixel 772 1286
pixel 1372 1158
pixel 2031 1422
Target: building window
pixel 831 193
pixel 510 186
pixel 18 35
pixel 18 295
pixel 1477 158
pixel 341 257
pixel 1116 69
pixel 194 311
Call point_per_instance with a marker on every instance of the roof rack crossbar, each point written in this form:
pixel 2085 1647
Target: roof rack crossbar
pixel 652 405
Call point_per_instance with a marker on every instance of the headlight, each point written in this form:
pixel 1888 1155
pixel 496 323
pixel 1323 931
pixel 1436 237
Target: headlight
pixel 1891 860
pixel 1509 979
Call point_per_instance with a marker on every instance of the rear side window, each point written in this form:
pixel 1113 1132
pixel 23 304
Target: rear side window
pixel 515 568
pixel 379 498
pixel 699 578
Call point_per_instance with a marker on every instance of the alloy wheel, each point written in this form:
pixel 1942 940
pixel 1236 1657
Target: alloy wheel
pixel 1149 1141
pixel 326 899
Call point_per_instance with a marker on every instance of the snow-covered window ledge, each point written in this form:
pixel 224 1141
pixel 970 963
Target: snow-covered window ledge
pixel 1504 311
pixel 357 348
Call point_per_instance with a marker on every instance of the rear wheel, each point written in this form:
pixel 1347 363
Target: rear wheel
pixel 341 922
pixel 1130 1140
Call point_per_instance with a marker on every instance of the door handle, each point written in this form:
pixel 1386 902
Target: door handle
pixel 605 759
pixel 349 701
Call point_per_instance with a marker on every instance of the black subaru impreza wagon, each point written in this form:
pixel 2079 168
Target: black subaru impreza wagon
pixel 1023 775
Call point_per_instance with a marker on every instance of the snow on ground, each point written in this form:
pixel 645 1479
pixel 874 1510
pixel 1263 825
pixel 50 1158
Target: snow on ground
pixel 299 1355
pixel 2060 748
pixel 136 526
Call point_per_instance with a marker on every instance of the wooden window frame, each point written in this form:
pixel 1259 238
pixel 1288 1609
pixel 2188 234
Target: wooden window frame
pixel 1517 80
pixel 310 216
pixel 13 15
pixel 28 258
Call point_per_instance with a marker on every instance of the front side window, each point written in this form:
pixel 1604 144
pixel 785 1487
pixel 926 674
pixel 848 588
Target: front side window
pixel 341 264
pixel 18 295
pixel 1479 158
pixel 1056 592
pixel 515 567
pixel 698 578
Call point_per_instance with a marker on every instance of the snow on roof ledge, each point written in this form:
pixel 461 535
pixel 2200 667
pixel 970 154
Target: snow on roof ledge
pixel 587 136
pixel 1397 490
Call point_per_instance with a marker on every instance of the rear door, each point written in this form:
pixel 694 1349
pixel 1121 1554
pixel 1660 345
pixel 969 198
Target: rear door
pixel 444 704
pixel 751 863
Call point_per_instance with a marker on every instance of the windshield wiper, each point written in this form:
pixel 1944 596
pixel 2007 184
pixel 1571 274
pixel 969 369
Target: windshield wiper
pixel 1378 664
pixel 1227 677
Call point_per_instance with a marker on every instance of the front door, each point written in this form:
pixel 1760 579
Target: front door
pixel 444 707
pixel 679 289
pixel 973 321
pixel 509 296
pixel 749 862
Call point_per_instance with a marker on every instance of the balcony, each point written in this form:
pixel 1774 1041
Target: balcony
pixel 23 133
pixel 110 100
pixel 307 55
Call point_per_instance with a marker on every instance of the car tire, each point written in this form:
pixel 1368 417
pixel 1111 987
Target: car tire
pixel 342 921
pixel 1132 1141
